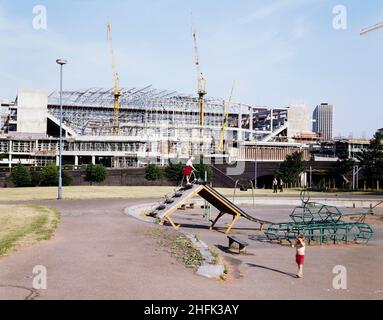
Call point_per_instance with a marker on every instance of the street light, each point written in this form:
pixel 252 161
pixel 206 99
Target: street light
pixel 371 28
pixel 61 62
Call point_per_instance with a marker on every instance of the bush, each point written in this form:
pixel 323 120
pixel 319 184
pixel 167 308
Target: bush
pixel 36 178
pixel 21 176
pixel 173 171
pixel 95 173
pixel 50 176
pixel 202 168
pixel 152 172
pixel 67 179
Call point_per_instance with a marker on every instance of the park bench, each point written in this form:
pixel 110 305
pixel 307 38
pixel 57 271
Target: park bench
pixel 241 244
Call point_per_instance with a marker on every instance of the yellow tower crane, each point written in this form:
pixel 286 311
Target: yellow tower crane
pixel 201 81
pixel 116 87
pixel 226 117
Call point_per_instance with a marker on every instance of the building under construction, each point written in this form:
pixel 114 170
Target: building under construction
pixel 154 126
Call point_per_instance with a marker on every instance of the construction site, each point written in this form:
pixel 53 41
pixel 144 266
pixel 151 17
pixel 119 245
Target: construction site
pixel 239 226
pixel 130 127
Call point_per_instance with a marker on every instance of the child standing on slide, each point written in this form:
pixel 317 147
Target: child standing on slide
pixel 188 170
pixel 300 254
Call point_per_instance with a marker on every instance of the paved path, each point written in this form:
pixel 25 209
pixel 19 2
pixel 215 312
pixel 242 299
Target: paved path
pixel 99 253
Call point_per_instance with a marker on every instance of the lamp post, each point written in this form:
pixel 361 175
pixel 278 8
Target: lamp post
pixel 60 62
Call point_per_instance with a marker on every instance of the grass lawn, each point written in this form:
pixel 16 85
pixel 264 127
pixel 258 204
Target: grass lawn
pixel 111 192
pixel 24 225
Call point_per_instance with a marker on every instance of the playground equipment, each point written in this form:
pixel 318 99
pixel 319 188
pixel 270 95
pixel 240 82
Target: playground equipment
pixel 318 222
pixel 322 224
pixel 164 210
pixel 243 187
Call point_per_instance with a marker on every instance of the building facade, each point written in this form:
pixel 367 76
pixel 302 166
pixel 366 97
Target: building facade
pixel 323 121
pixel 155 126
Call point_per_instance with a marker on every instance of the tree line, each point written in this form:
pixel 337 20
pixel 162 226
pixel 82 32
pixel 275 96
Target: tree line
pixel 23 176
pixel 370 160
pixel 173 172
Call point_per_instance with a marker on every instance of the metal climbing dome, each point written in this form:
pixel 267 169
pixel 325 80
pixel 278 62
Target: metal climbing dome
pixel 321 224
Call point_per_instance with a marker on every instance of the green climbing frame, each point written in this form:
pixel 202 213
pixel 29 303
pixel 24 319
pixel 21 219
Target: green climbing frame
pixel 320 224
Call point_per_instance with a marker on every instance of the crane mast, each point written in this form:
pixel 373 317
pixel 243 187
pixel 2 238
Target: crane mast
pixel 201 81
pixel 225 119
pixel 116 86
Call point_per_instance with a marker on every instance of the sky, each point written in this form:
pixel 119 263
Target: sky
pixel 279 52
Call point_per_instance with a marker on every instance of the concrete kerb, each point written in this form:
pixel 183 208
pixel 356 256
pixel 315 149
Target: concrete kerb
pixel 136 212
pixel 208 269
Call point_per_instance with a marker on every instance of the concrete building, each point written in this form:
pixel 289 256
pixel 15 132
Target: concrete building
pixel 155 126
pixel 330 150
pixel 299 120
pixel 323 121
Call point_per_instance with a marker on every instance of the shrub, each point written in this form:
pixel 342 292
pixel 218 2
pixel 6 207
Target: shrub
pixel 50 176
pixel 152 172
pixel 21 176
pixel 95 173
pixel 36 178
pixel 202 168
pixel 173 171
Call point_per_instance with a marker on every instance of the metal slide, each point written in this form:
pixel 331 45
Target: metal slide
pixel 166 208
pixel 229 206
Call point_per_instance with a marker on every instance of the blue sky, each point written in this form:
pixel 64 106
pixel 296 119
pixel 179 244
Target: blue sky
pixel 278 51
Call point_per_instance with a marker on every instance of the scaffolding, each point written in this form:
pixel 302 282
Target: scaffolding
pixel 147 113
pixel 154 126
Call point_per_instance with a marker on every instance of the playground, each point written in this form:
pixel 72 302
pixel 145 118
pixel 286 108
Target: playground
pixel 100 252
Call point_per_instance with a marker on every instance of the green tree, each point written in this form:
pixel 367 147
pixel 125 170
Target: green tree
pixel 291 169
pixel 173 171
pixel 342 167
pixel 95 173
pixel 201 169
pixel 371 160
pixel 50 176
pixel 36 178
pixel 21 176
pixel 152 172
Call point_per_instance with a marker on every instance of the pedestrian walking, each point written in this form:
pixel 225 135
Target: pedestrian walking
pixel 281 184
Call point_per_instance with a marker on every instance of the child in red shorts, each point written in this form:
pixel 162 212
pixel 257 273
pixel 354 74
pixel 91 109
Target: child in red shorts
pixel 187 171
pixel 300 254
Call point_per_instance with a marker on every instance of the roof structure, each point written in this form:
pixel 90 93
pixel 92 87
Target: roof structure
pixel 143 99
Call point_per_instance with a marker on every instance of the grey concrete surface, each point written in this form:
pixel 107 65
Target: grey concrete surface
pixel 100 253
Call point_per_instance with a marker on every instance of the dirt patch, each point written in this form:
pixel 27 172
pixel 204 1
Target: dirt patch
pixel 178 245
pixel 231 268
